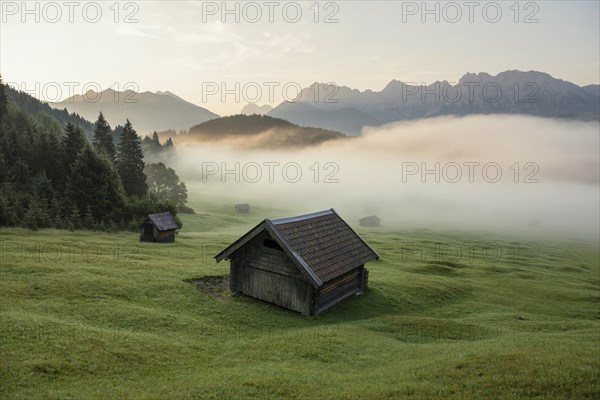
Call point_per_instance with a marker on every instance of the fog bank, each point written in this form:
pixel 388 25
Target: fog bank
pixel 507 173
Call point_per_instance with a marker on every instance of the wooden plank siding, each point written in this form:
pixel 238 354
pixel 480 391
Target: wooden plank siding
pixel 338 289
pixel 268 274
pixel 285 291
pixel 166 236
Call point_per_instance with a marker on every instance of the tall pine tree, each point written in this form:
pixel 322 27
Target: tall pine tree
pixel 155 139
pixel 94 183
pixel 74 142
pixel 47 149
pixel 103 140
pixel 130 162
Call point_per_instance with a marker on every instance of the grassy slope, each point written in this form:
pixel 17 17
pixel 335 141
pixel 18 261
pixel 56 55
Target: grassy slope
pixel 96 315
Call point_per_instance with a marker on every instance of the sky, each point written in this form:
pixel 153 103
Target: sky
pixel 222 55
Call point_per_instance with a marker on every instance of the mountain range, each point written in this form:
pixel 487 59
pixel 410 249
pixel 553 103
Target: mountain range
pixel 253 108
pixel 252 131
pixel 147 111
pixel 511 92
pixel 347 110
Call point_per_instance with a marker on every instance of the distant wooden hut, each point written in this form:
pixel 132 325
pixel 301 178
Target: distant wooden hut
pixel 159 228
pixel 307 263
pixel 242 208
pixel 372 221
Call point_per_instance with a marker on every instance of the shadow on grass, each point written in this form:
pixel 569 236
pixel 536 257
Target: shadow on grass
pixel 381 299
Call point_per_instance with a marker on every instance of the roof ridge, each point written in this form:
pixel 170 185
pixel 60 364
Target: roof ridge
pixel 301 217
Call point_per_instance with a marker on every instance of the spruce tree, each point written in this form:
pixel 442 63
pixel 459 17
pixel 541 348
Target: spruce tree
pixel 94 183
pixel 74 142
pixel 130 162
pixel 88 219
pixel 56 213
pixel 103 140
pixel 74 219
pixel 155 139
pixel 37 215
pixel 42 188
pixel 47 150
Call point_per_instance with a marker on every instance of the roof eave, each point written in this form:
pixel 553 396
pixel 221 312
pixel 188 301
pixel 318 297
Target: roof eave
pixel 233 247
pixel 377 256
pixel 288 248
pixel 285 246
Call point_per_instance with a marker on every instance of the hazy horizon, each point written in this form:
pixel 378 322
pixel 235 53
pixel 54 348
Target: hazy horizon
pixel 384 172
pixel 209 53
pixel 167 91
pixel 184 46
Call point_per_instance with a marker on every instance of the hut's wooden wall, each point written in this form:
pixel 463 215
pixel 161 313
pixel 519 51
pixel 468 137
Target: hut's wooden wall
pixel 157 236
pixel 267 274
pixel 147 232
pixel 165 236
pixel 339 289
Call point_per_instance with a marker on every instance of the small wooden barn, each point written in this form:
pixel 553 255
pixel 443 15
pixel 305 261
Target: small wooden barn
pixel 242 208
pixel 372 221
pixel 307 263
pixel 159 228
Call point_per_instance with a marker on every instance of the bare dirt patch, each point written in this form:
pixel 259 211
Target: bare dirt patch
pixel 216 287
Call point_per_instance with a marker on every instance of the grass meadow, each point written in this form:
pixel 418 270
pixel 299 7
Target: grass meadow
pixel 96 315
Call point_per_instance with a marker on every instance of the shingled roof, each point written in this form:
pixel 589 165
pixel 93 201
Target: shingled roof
pixel 322 244
pixel 163 221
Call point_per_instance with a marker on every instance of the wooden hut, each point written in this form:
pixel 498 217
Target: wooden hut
pixel 372 221
pixel 307 263
pixel 159 228
pixel 242 208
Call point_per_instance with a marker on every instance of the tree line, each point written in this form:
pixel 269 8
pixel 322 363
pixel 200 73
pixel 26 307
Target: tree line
pixel 51 175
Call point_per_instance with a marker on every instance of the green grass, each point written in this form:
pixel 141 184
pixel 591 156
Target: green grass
pixel 90 315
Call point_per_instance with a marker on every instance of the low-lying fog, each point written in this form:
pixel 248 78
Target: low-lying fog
pixel 509 173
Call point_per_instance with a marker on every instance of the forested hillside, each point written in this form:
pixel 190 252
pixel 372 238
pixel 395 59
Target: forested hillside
pixel 33 106
pixel 53 176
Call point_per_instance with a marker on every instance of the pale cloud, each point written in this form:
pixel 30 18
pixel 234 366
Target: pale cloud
pixel 213 33
pixel 227 58
pixel 139 31
pixel 234 49
pixel 234 55
pixel 277 46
